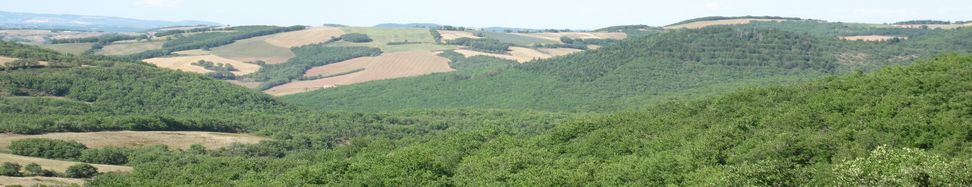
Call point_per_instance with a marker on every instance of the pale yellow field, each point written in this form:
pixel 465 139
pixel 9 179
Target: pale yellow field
pixel 521 54
pixel 174 139
pixel 58 165
pixel 936 26
pixel 4 60
pixel 247 84
pixel 577 35
pixel 127 48
pixel 871 38
pixel 702 24
pixel 386 66
pixel 31 181
pixel 184 63
pixel 304 37
pixel 452 35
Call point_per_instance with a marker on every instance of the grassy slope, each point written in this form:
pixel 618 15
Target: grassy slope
pixel 518 39
pixel 71 48
pixel 382 36
pixel 130 48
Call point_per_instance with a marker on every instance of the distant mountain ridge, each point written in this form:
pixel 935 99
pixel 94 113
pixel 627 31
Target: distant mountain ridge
pixel 83 22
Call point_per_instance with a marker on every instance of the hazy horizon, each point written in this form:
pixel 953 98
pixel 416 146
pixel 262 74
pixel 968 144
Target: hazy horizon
pixel 572 14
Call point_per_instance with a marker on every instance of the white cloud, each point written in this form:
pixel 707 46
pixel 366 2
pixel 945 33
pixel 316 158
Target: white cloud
pixel 160 3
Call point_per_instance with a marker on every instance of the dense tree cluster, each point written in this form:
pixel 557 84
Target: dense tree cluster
pixel 193 30
pixel 47 148
pixel 356 38
pixel 482 44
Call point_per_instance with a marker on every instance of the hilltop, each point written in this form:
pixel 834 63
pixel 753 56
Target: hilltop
pixel 85 22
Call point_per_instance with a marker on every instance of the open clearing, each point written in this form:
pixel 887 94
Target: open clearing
pixel 174 139
pixel 386 66
pixel 522 55
pixel 304 37
pixel 31 181
pixel 184 63
pixel 72 48
pixel 577 35
pixel 58 165
pixel 127 48
pixel 254 49
pixel 703 24
pixel 872 38
pixel 452 35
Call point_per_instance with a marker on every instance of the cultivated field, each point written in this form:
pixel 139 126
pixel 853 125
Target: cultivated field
pixel 871 38
pixel 702 24
pixel 522 55
pixel 517 39
pixel 193 52
pixel 32 181
pixel 304 37
pixel 577 35
pixel 58 165
pixel 452 35
pixel 386 66
pixel 127 48
pixel 254 49
pixel 72 48
pixel 174 139
pixel 40 36
pixel 184 63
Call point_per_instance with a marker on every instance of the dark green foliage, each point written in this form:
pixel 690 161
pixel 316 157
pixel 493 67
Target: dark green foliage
pixel 221 71
pixel 436 35
pixel 32 54
pixel 110 155
pixel 482 44
pixel 182 31
pixel 47 148
pixel 81 171
pixel 10 169
pixel 356 38
pixel 307 57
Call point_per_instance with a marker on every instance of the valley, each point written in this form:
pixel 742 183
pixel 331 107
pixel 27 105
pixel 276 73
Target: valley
pixel 710 101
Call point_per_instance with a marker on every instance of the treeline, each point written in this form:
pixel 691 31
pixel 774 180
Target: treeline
pixel 356 38
pixel 212 39
pixel 923 22
pixel 579 43
pixel 482 44
pixel 717 18
pixel 34 169
pixel 104 39
pixel 307 57
pixel 30 55
pixel 194 30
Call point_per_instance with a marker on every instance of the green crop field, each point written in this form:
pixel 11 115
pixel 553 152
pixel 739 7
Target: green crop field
pixel 518 39
pixel 382 36
pixel 130 48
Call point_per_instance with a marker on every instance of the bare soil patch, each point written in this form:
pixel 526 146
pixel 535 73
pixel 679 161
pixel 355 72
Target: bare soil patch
pixel 872 38
pixel 31 181
pixel 452 35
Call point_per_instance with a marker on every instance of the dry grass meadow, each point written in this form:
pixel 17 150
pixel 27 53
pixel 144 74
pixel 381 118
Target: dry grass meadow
pixel 173 139
pixel 386 66
pixel 184 63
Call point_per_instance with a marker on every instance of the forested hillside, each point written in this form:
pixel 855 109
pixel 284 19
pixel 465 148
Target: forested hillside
pixel 899 126
pixel 637 71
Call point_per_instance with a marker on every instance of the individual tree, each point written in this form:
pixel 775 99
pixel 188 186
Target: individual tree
pixel 34 169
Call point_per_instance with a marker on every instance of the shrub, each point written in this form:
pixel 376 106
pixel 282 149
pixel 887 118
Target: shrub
pixel 47 148
pixel 81 171
pixel 34 169
pixel 356 38
pixel 10 169
pixel 116 156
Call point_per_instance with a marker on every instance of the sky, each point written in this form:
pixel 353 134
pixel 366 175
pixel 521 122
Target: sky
pixel 559 14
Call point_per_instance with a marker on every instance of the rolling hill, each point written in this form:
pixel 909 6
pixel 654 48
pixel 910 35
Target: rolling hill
pixel 87 23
